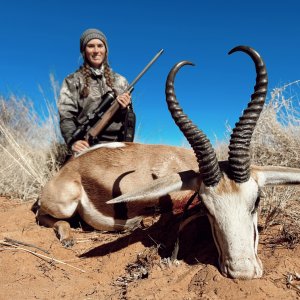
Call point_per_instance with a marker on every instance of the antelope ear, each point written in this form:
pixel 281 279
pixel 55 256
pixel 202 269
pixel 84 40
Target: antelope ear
pixel 270 175
pixel 188 180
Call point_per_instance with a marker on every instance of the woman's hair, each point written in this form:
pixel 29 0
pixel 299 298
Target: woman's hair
pixel 87 73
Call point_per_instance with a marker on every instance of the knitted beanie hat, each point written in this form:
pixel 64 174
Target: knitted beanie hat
pixel 90 34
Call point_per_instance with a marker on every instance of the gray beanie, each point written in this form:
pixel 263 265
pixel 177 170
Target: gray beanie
pixel 90 34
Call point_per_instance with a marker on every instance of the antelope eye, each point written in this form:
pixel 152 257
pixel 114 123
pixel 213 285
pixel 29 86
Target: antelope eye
pixel 256 205
pixel 257 202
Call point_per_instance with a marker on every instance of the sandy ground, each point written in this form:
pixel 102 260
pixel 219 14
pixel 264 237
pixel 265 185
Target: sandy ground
pixel 131 266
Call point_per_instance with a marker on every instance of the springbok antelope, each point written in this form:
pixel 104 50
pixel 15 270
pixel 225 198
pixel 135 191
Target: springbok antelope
pixel 134 176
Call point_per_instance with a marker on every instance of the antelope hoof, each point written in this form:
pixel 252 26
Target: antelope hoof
pixel 68 242
pixel 62 230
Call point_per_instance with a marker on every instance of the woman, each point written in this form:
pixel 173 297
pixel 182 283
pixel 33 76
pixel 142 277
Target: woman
pixel 81 92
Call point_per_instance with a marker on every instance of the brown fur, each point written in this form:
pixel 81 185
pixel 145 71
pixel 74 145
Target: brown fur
pixel 227 186
pixel 106 173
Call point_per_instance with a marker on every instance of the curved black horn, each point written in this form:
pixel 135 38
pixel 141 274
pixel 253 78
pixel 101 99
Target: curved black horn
pixel 204 151
pixel 239 154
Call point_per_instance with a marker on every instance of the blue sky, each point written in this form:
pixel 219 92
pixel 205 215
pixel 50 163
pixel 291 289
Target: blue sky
pixel 42 37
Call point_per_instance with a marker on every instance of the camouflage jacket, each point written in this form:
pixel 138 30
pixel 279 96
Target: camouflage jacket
pixel 73 109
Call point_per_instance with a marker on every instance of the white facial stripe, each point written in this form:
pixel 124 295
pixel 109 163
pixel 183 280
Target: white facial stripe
pixel 234 228
pixel 112 145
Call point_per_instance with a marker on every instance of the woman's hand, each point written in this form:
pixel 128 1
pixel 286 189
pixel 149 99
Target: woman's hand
pixel 124 99
pixel 80 145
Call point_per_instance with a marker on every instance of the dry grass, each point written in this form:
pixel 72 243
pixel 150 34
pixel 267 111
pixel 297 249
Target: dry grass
pixel 13 245
pixel 31 147
pixel 276 141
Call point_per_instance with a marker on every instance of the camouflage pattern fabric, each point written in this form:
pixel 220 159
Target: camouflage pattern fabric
pixel 73 109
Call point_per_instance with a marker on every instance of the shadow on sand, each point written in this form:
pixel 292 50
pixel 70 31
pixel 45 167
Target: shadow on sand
pixel 196 244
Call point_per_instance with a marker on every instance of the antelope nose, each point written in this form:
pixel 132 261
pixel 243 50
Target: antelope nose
pixel 244 268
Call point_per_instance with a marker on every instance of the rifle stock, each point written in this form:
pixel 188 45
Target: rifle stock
pixel 101 123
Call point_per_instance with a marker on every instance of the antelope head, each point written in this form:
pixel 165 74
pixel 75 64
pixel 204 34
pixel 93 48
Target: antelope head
pixel 229 190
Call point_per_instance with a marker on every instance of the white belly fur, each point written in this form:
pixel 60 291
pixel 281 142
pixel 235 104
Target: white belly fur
pixel 99 221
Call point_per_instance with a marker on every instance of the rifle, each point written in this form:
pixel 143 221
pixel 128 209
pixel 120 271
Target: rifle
pixel 98 119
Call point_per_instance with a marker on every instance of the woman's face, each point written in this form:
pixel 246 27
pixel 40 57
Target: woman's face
pixel 95 52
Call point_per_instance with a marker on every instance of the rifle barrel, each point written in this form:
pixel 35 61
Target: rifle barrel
pixel 145 70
